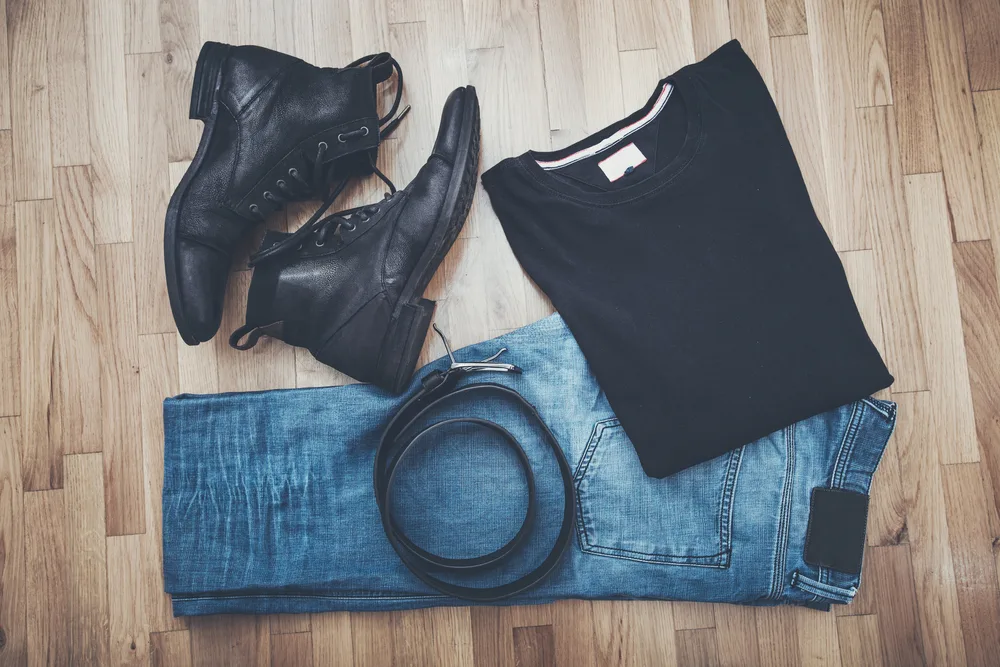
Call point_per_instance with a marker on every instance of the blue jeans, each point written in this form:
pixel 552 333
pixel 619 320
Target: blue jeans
pixel 268 504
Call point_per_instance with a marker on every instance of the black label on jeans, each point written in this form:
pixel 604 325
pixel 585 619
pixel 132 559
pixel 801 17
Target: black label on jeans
pixel 836 534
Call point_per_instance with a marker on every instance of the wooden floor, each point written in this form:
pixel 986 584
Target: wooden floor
pixel 893 107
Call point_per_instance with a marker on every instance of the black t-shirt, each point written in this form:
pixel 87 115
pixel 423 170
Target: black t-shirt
pixel 681 248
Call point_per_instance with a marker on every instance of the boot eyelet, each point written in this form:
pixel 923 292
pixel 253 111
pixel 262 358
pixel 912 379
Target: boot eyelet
pixel 268 196
pixel 320 245
pixel 365 128
pixel 293 172
pixel 281 183
pixel 322 145
pixel 254 208
pixel 341 139
pixel 351 228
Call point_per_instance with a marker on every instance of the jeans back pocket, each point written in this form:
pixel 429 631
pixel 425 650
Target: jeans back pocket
pixel 684 519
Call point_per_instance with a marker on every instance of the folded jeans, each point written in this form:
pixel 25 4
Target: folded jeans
pixel 268 504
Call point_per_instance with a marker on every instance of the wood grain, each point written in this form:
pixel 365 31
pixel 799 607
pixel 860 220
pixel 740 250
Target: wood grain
pixel 860 645
pixel 13 574
pixel 86 553
pixel 940 318
pixel 48 620
pixel 170 649
pixel 910 74
pixel 123 478
pixel 29 99
pixel 10 330
pixel 129 624
pixel 69 109
pixel 980 19
pixel 867 49
pixel 786 17
pixel 709 26
pixel 230 641
pixel 955 120
pixel 892 581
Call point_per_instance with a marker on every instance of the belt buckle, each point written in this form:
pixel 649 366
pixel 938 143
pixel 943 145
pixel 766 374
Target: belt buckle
pixel 488 364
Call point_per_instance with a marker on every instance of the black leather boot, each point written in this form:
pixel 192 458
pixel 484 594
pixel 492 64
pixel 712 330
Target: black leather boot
pixel 277 129
pixel 349 286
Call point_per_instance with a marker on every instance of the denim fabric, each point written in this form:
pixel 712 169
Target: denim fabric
pixel 268 504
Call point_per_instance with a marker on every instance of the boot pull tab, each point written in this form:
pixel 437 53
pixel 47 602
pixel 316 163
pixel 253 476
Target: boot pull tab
pixel 274 329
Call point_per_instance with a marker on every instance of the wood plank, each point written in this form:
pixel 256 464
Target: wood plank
pixel 292 650
pixel 940 318
pixel 886 217
pixel 13 584
pixel 440 636
pixel 332 18
pixel 693 615
pixel 230 641
pixel 129 625
pixel 674 38
pixel 956 122
pixel 29 100
pixel 697 647
pixel 981 19
pixel 794 95
pixel 5 100
pixel 859 641
pixel 599 67
pixel 6 168
pixel 980 305
pixel 369 27
pixel 777 636
pixel 634 632
pixel 446 48
pixel 287 624
pixel 111 175
pixel 838 132
pixel 933 574
pixel 67 75
pixel 896 602
pixel 158 378
pixel 639 76
pixel 373 638
pixel 906 51
pixel 988 120
pixel 573 630
pixel 634 23
pixel 492 637
pixel 86 594
pixel 534 646
pixel 291 30
pixel 10 334
pixel 748 21
pixel 123 482
pixel 560 35
pixel 786 17
pixel 180 40
pixel 818 641
pixel 142 26
pixel 170 649
pixel 41 456
pixel 331 639
pixel 867 50
pixel 404 11
pixel 483 29
pixel 736 636
pixel 256 24
pixel 709 26
pixel 77 373
pixel 974 561
pixel 47 578
pixel 150 187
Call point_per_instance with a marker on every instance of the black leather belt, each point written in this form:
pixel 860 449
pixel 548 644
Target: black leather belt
pixel 437 387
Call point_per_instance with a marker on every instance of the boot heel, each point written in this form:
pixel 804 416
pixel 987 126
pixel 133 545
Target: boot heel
pixel 206 79
pixel 402 345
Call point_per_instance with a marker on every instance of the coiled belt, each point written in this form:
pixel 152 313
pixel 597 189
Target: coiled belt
pixel 437 387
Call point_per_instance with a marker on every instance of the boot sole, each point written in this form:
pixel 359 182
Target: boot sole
pixel 204 91
pixel 412 317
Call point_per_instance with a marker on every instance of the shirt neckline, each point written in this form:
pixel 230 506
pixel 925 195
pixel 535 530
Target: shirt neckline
pixel 692 141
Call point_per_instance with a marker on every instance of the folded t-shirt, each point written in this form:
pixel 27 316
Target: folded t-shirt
pixel 681 248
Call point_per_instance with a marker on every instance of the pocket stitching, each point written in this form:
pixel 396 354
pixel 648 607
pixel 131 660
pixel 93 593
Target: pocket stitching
pixel 717 560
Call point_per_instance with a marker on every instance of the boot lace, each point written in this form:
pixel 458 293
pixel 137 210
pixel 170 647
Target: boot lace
pixel 298 186
pixel 321 228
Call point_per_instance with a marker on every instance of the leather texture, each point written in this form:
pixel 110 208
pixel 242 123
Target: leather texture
pixel 266 113
pixel 342 291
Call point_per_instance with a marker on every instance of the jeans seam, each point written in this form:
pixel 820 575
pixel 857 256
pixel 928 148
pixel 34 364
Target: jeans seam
pixel 784 526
